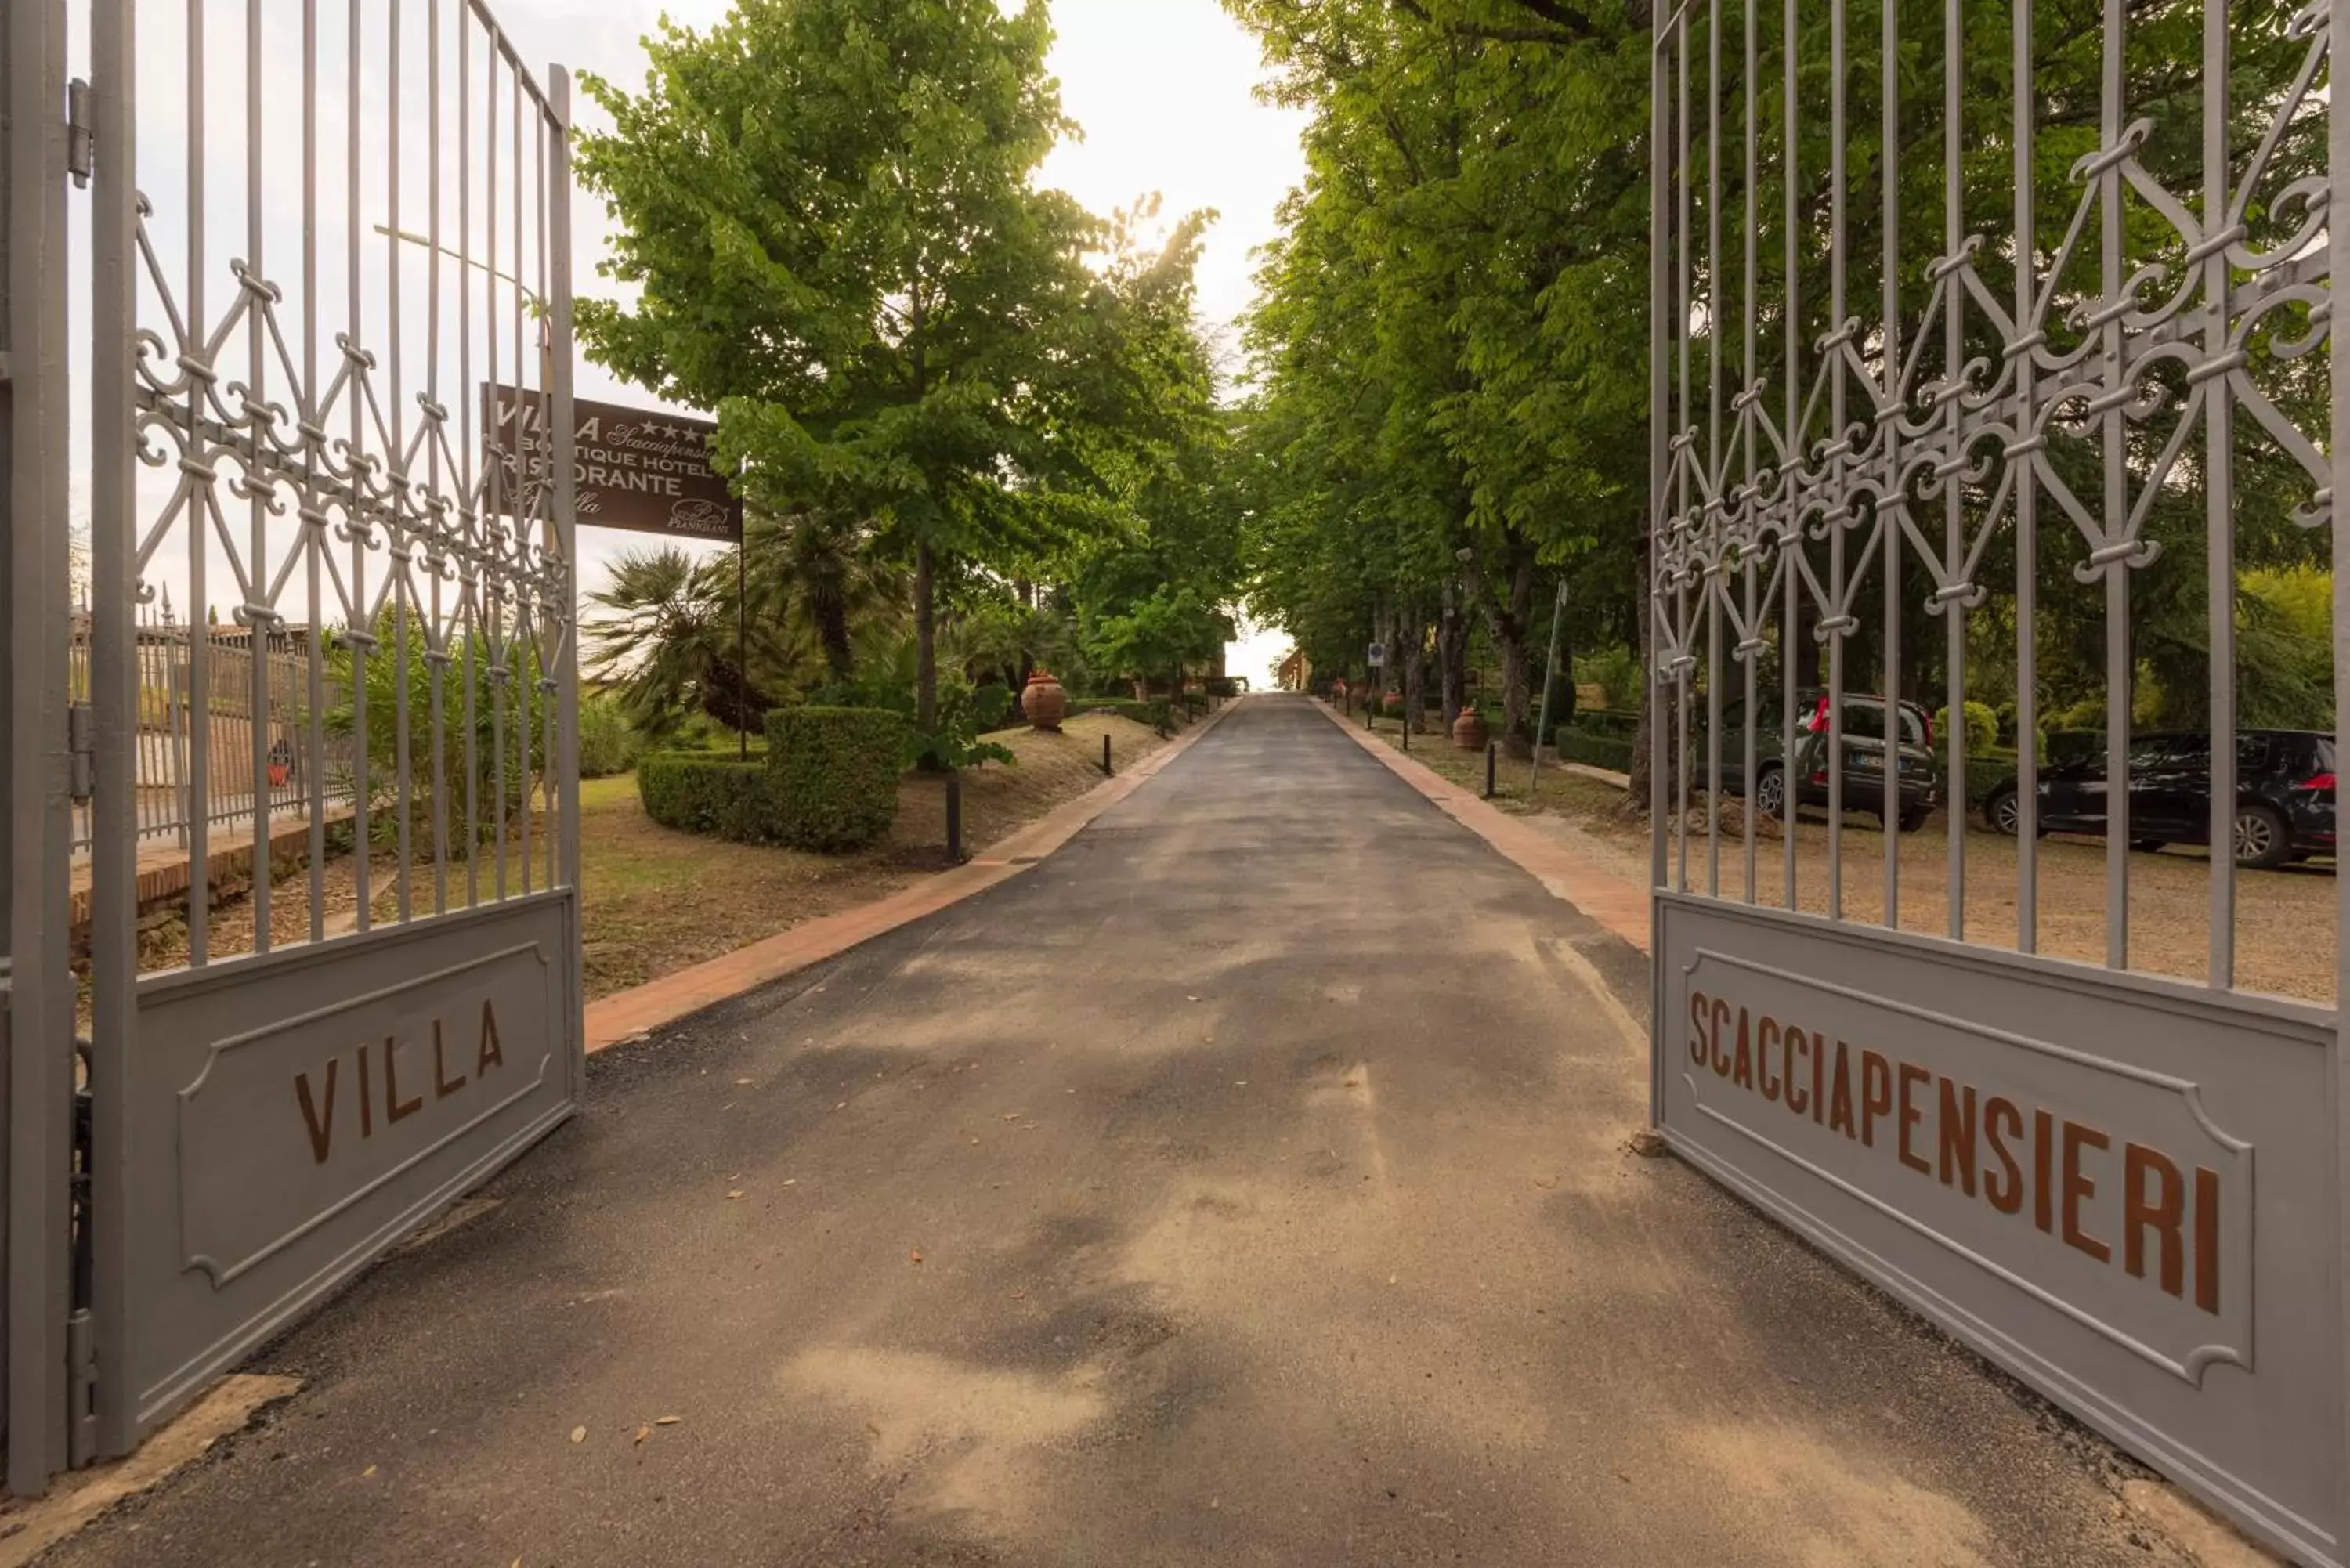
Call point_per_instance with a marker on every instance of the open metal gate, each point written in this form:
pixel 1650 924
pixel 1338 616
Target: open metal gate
pixel 2008 322
pixel 344 986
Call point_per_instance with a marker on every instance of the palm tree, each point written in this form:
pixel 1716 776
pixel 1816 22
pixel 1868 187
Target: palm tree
pixel 821 565
pixel 670 636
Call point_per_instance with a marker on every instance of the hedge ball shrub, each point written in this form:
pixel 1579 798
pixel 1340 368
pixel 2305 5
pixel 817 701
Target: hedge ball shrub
pixel 834 773
pixel 700 792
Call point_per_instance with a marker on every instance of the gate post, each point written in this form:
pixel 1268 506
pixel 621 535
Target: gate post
pixel 113 679
pixel 564 527
pixel 37 994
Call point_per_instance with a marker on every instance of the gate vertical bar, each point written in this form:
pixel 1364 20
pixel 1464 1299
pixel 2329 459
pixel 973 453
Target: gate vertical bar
pixel 2116 503
pixel 1659 471
pixel 2219 496
pixel 2338 348
pixel 565 780
pixel 37 995
pixel 114 840
pixel 1659 425
pixel 2024 455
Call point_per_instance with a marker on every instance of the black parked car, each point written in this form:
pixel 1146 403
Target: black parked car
pixel 1864 755
pixel 2284 795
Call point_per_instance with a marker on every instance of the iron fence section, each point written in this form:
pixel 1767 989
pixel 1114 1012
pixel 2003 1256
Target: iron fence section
pixel 2015 318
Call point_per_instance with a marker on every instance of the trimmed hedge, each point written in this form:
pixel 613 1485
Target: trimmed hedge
pixel 703 792
pixel 1606 721
pixel 1598 751
pixel 2071 745
pixel 1155 713
pixel 834 773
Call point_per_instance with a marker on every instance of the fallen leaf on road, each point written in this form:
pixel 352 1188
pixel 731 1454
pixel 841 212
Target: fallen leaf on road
pixel 1391 1279
pixel 915 1255
pixel 1019 1296
pixel 743 1083
pixel 578 1434
pixel 842 1107
pixel 367 1472
pixel 1546 1182
pixel 642 1433
pixel 1240 1083
pixel 1190 998
pixel 1012 1116
pixel 736 1193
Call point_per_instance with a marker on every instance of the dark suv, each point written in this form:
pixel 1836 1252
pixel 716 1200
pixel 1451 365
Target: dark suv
pixel 1864 755
pixel 2284 795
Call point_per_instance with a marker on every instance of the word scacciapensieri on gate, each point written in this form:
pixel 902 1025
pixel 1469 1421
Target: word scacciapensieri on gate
pixel 1977 330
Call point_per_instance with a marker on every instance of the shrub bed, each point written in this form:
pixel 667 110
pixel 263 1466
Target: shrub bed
pixel 834 773
pixel 700 792
pixel 1607 721
pixel 1598 751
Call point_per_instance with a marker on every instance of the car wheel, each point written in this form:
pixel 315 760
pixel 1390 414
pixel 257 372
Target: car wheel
pixel 1771 792
pixel 2261 838
pixel 2147 845
pixel 1913 817
pixel 2004 812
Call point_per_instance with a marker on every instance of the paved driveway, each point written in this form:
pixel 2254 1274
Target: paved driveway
pixel 1244 1185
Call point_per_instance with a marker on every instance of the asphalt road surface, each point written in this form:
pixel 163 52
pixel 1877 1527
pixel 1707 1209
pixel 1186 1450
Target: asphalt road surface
pixel 1246 1184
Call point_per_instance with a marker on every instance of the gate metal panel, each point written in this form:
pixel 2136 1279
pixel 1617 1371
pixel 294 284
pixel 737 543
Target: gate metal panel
pixel 2133 1193
pixel 378 1080
pixel 36 990
pixel 283 423
pixel 1885 1094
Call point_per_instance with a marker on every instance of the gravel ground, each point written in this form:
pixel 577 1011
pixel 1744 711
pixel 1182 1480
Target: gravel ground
pixel 2286 920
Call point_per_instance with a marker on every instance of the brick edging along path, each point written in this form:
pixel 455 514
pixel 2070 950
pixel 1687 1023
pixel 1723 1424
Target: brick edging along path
pixel 1620 906
pixel 628 1014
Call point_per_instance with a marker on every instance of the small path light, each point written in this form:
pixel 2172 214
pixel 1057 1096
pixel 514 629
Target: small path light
pixel 1105 770
pixel 1492 750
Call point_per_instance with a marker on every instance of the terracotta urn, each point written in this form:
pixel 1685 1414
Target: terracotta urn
pixel 1469 731
pixel 1044 702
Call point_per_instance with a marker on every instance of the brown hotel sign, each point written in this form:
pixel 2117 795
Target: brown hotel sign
pixel 631 468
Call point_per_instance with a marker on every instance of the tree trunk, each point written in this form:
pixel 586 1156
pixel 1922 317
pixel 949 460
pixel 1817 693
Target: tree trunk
pixel 1452 657
pixel 831 615
pixel 1509 630
pixel 926 641
pixel 1414 672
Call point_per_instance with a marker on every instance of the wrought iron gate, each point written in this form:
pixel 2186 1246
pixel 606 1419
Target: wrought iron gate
pixel 2096 362
pixel 344 986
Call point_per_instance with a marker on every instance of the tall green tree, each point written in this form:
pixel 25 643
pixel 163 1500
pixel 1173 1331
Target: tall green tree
pixel 828 215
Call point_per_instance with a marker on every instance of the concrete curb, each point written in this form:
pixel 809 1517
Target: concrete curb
pixel 1620 906
pixel 630 1015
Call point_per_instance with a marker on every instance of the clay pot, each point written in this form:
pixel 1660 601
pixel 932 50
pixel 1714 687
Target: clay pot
pixel 1044 702
pixel 1469 731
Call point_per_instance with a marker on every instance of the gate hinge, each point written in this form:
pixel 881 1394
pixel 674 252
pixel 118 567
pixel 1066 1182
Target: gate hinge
pixel 82 749
pixel 81 137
